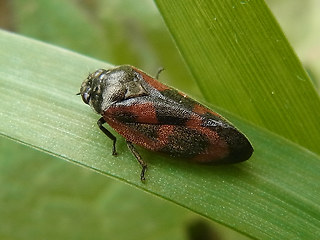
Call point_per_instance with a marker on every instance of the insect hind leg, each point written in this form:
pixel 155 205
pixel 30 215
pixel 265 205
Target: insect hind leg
pixel 139 159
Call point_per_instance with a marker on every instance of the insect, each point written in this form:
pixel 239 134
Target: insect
pixel 159 118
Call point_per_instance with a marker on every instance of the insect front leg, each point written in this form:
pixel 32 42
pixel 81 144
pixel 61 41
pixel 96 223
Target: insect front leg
pixel 139 158
pixel 109 134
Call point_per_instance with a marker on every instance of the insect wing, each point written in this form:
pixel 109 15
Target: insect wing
pixel 165 126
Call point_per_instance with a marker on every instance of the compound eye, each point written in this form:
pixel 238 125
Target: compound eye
pixel 86 97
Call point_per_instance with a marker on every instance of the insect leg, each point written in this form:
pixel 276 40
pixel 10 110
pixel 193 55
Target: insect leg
pixel 109 134
pixel 138 157
pixel 158 73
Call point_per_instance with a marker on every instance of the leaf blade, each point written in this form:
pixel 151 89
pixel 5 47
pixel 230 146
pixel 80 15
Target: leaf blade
pixel 40 108
pixel 237 48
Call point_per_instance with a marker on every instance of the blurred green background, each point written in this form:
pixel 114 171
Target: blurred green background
pixel 44 201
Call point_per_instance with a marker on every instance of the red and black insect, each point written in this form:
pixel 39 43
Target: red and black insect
pixel 150 114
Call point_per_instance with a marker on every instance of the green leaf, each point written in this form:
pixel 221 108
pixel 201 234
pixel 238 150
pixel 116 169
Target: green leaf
pixel 236 48
pixel 40 109
pixel 52 199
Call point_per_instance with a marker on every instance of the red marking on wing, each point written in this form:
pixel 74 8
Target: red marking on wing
pixel 163 133
pixel 152 81
pixel 194 121
pixel 144 112
pixel 217 149
pixel 198 108
pixel 133 135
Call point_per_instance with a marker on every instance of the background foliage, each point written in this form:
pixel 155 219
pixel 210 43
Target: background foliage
pixel 74 197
